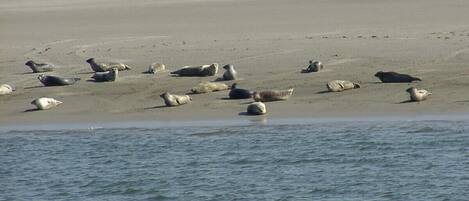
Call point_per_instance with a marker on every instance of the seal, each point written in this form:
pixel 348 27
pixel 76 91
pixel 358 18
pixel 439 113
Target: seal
pixel 109 76
pixel 197 71
pixel 418 94
pixel 45 103
pixel 39 67
pixel 50 80
pixel 256 108
pixel 155 68
pixel 314 66
pixel 103 67
pixel 6 89
pixel 206 87
pixel 393 77
pixel 236 93
pixel 272 95
pixel 341 85
pixel 175 100
pixel 230 73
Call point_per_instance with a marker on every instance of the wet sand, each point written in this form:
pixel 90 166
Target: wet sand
pixel 268 42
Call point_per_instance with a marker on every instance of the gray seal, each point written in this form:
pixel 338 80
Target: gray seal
pixel 256 108
pixel 103 67
pixel 418 94
pixel 109 76
pixel 393 77
pixel 237 93
pixel 39 67
pixel 230 73
pixel 314 66
pixel 155 68
pixel 197 71
pixel 50 80
pixel 172 100
pixel 273 95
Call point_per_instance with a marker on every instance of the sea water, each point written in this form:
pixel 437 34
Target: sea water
pixel 285 160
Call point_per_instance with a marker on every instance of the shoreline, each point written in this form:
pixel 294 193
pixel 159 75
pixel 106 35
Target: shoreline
pixel 227 122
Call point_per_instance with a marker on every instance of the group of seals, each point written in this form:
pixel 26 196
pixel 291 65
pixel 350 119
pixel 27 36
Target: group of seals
pixel 197 71
pixel 45 103
pixel 39 67
pixel 172 100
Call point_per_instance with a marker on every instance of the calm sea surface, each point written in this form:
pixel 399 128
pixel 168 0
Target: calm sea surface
pixel 317 160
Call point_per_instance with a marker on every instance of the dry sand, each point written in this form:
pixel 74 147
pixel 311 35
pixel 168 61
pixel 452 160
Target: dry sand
pixel 268 41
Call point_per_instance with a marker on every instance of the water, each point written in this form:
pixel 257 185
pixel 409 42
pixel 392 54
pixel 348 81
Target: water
pixel 330 160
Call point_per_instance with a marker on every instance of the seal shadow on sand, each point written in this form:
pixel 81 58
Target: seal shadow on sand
pixel 406 101
pixel 155 107
pixel 31 110
pixel 34 87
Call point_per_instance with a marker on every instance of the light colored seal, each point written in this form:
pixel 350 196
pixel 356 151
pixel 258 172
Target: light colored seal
pixel 155 68
pixel 256 108
pixel 418 94
pixel 109 76
pixel 206 87
pixel 341 85
pixel 314 66
pixel 50 80
pixel 175 100
pixel 393 77
pixel 199 71
pixel 39 67
pixel 6 89
pixel 103 67
pixel 230 73
pixel 45 103
pixel 273 95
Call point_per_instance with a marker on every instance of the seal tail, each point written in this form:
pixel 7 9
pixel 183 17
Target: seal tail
pixel 127 67
pixel 357 85
pixel 175 72
pixel 417 78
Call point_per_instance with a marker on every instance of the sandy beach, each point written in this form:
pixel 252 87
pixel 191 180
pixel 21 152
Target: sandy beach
pixel 268 42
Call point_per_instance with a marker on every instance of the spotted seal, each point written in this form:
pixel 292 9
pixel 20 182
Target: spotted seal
pixel 206 87
pixel 50 80
pixel 197 71
pixel 103 67
pixel 230 73
pixel 45 103
pixel 39 67
pixel 155 68
pixel 393 77
pixel 314 66
pixel 6 89
pixel 175 100
pixel 109 76
pixel 418 94
pixel 237 93
pixel 272 95
pixel 256 108
pixel 341 85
